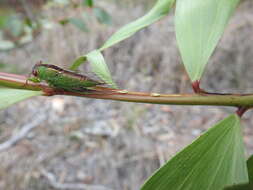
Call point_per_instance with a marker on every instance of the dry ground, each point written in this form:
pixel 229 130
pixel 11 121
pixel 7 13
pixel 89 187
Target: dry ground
pixel 112 144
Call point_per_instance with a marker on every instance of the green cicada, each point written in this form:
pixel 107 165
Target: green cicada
pixel 59 78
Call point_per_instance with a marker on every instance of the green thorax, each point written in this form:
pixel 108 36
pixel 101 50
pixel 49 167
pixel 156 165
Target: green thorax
pixel 63 79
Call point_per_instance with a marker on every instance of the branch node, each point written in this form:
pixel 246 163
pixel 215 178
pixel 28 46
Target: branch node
pixel 196 87
pixel 241 110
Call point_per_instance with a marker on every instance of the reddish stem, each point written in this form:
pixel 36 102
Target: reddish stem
pixel 196 87
pixel 241 110
pixel 19 81
pixel 243 101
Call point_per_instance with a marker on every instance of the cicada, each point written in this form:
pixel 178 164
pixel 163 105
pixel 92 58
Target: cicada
pixel 59 78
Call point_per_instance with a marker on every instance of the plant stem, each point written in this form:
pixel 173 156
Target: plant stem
pixel 172 99
pixel 235 100
pixel 241 110
pixel 19 81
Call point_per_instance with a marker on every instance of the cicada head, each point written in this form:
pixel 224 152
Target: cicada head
pixel 35 68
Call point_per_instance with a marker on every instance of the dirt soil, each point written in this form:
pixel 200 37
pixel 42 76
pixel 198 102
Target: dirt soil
pixel 117 145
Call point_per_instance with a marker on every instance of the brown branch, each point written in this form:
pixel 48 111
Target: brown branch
pixel 235 100
pixel 215 99
pixel 20 82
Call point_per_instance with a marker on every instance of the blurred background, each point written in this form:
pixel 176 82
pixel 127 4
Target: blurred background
pixel 78 143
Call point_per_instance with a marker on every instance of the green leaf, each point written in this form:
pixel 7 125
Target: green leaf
pixel 250 168
pixel 213 161
pixel 248 186
pixel 102 16
pixel 199 26
pixel 160 10
pixel 77 63
pixel 99 67
pixel 88 3
pixel 28 22
pixel 64 21
pixel 3 20
pixel 11 96
pixel 79 23
pixel 240 187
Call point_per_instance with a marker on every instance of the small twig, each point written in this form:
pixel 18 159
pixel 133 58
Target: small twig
pixel 23 133
pixel 74 186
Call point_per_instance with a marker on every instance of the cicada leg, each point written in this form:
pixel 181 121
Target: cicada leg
pixel 32 79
